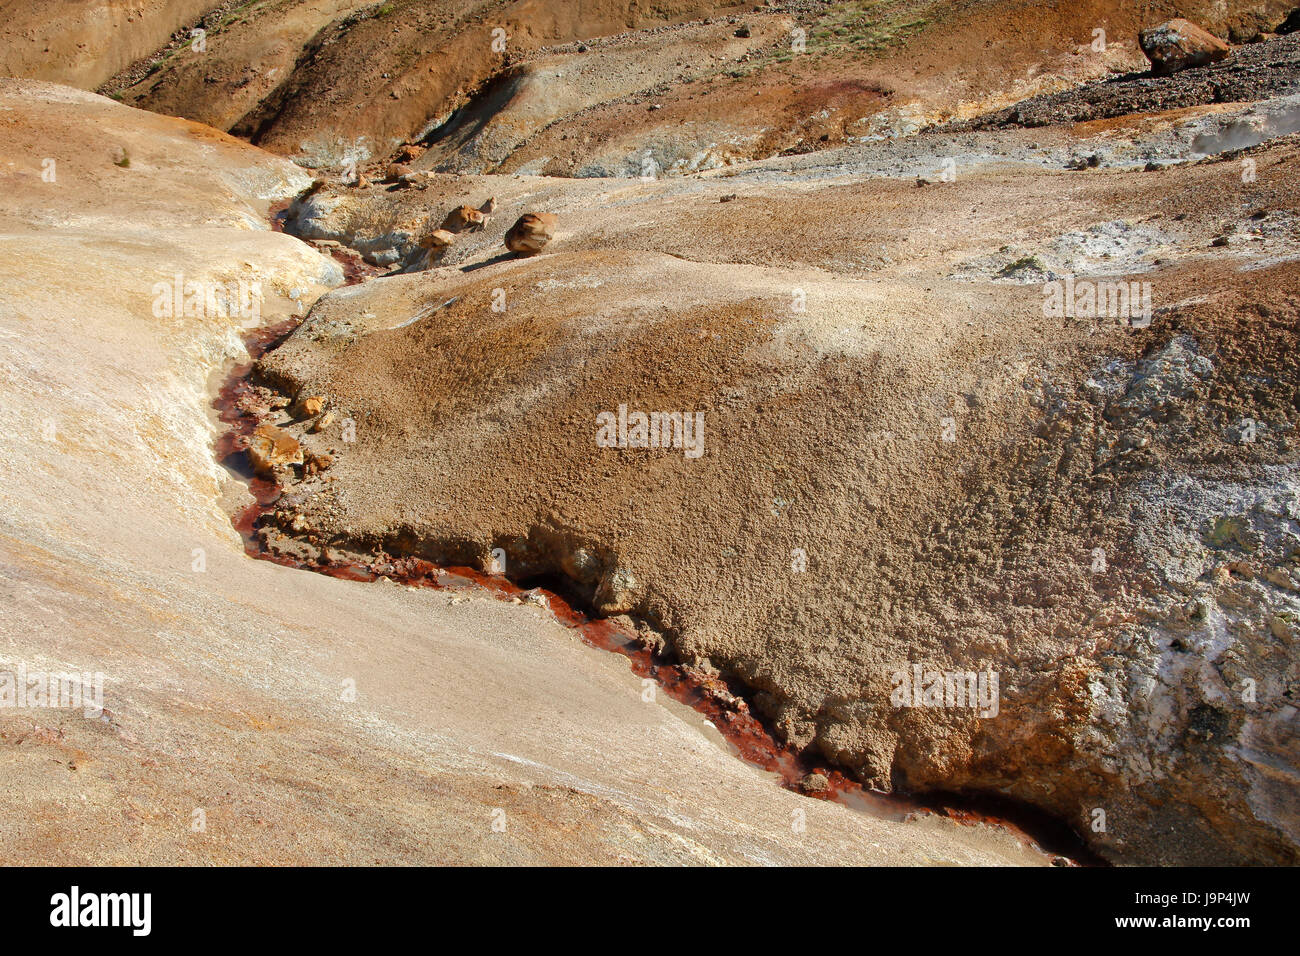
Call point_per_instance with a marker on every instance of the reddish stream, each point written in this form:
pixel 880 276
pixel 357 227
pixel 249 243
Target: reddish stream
pixel 747 735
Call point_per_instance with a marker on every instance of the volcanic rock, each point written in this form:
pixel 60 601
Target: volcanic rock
pixel 1179 44
pixel 530 234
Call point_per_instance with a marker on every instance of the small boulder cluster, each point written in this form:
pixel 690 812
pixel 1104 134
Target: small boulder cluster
pixel 527 237
pixel 461 219
pixel 398 174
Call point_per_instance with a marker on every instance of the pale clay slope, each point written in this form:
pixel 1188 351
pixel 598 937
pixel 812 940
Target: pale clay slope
pixel 223 688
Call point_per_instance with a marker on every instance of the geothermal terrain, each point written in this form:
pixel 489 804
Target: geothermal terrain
pixel 329 330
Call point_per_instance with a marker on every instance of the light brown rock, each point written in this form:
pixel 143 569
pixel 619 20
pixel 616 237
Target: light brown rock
pixel 260 648
pixel 271 447
pixel 530 234
pixel 815 783
pixel 463 219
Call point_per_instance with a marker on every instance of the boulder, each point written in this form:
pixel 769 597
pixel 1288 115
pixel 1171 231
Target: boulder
pixel 397 171
pixel 530 233
pixel 1178 45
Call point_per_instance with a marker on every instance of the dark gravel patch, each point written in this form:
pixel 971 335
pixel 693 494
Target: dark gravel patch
pixel 1255 72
